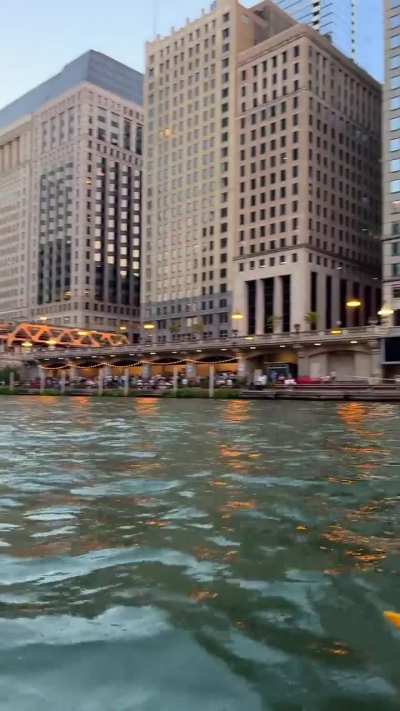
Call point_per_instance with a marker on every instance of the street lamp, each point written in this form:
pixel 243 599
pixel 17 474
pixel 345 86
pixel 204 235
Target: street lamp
pixel 43 318
pixel 236 318
pixel 149 328
pixel 385 311
pixel 353 303
pixel 26 346
pixel 52 344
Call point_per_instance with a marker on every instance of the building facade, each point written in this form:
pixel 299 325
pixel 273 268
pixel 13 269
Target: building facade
pixel 262 194
pixel 190 155
pixel 391 160
pixel 309 186
pixel 15 187
pixel 81 260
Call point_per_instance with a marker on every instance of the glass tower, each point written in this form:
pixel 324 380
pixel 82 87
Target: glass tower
pixel 334 18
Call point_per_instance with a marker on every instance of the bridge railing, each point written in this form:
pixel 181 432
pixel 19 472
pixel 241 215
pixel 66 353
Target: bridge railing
pixel 233 342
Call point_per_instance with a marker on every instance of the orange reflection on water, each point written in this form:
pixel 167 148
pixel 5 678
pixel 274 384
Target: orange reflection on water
pixel 236 411
pixel 366 551
pixel 147 406
pixel 203 595
pixel 80 401
pixel 157 523
pixel 231 506
pixel 228 453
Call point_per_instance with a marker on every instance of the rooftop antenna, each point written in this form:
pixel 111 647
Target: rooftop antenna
pixel 156 9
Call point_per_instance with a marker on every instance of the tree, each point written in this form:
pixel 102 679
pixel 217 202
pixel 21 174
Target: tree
pixel 197 329
pixel 175 327
pixel 271 322
pixel 312 319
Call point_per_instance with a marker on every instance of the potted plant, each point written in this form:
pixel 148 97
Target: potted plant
pixel 271 322
pixel 312 319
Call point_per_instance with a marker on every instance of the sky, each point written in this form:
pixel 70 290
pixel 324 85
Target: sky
pixel 38 37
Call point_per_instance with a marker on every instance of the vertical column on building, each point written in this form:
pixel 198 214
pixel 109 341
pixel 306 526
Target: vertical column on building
pixel 335 299
pixel 278 304
pixel 299 300
pixel 321 301
pixel 260 305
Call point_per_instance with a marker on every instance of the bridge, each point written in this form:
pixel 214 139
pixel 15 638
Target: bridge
pixel 350 352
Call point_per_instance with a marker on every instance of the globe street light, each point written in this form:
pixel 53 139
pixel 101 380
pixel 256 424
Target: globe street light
pixel 236 318
pixel 385 311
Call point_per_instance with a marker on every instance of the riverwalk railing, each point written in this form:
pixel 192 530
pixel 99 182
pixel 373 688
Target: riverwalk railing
pixel 292 340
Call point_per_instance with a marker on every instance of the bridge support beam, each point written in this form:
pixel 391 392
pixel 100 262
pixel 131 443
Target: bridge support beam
pixel 42 378
pixel 100 385
pixel 126 382
pixel 211 380
pixel 175 380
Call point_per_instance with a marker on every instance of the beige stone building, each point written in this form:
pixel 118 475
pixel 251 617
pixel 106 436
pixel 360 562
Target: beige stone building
pixel 70 182
pixel 391 161
pixel 15 166
pixel 262 177
pixel 308 121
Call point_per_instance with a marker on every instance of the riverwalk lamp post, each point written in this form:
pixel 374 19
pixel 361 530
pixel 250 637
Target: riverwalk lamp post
pixel 385 311
pixel 149 330
pixel 354 304
pixel 237 317
pixel 26 347
pixel 52 344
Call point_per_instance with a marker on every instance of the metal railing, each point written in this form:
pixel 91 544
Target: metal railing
pixel 233 342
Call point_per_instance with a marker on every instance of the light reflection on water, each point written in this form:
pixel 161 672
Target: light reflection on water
pixel 185 555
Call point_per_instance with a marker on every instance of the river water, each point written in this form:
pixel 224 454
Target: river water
pixel 198 556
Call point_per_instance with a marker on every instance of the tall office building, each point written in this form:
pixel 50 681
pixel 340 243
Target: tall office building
pixel 332 18
pixel 190 189
pixel 353 26
pixel 391 160
pixel 70 197
pixel 262 191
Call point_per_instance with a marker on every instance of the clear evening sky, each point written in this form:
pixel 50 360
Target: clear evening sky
pixel 38 37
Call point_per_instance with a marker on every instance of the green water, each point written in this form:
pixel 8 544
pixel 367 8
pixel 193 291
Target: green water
pixel 197 556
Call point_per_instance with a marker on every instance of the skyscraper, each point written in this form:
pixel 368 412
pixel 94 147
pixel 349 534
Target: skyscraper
pixel 262 191
pixel 391 160
pixel 332 18
pixel 353 26
pixel 70 197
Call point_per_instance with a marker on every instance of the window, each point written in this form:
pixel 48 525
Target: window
pixel 395 61
pixel 395 102
pixel 395 82
pixel 395 165
pixel 395 41
pixel 396 292
pixel 395 21
pixel 396 269
pixel 395 144
pixel 395 186
pixel 395 249
pixel 395 124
